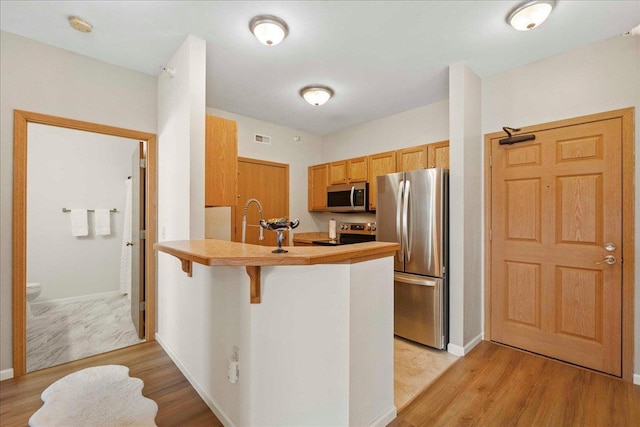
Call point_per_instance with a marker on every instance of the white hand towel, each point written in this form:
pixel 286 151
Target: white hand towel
pixel 79 222
pixel 102 222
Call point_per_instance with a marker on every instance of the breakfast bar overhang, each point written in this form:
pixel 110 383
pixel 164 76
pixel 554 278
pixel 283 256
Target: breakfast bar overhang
pixel 313 329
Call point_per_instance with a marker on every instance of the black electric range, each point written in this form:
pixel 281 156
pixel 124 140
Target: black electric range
pixel 348 233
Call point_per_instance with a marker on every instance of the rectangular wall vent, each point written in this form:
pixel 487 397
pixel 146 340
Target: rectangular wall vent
pixel 262 139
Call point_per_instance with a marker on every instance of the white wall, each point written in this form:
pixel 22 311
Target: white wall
pixel 217 224
pixel 283 149
pixel 465 207
pixel 421 125
pixel 74 169
pixel 600 77
pixel 40 78
pixel 193 312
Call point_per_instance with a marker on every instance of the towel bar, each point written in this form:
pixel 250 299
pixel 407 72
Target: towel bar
pixel 89 210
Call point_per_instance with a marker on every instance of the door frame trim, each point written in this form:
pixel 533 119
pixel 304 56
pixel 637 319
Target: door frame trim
pixel 19 262
pixel 628 225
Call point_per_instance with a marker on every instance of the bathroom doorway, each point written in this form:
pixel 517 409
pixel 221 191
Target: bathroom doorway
pixel 97 282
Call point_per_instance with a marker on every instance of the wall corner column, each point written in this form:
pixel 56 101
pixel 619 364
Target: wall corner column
pixel 465 209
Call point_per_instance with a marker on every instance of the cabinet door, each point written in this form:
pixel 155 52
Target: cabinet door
pixel 338 172
pixel 357 169
pixel 412 158
pixel 438 154
pixel 221 158
pixel 379 164
pixel 318 176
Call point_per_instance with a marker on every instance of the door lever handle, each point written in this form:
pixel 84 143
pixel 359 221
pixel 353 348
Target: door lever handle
pixel 609 259
pixel 129 243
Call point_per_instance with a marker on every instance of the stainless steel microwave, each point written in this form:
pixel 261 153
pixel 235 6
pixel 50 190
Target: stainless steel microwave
pixel 348 197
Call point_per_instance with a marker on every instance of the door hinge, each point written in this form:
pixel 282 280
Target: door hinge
pixel 490 232
pixel 143 234
pixel 143 163
pixel 142 306
pixel 490 161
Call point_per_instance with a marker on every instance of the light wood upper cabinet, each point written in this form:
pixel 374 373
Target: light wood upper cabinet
pixel 346 171
pixel 338 172
pixel 412 158
pixel 438 154
pixel 221 161
pixel 366 169
pixel 357 169
pixel 318 176
pixel 379 164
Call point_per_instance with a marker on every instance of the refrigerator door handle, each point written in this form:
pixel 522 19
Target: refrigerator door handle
pixel 400 253
pixel 353 189
pixel 405 220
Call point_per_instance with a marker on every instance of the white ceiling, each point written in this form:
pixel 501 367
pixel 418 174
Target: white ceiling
pixel 381 58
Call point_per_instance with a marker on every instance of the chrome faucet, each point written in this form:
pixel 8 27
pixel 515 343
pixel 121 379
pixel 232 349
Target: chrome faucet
pixel 244 219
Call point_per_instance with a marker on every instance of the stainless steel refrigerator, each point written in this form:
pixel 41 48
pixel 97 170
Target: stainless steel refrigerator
pixel 412 210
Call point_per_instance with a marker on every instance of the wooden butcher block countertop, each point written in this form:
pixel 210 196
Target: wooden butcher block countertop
pixel 221 252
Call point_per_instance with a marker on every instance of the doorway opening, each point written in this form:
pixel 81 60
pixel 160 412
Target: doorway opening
pixel 61 170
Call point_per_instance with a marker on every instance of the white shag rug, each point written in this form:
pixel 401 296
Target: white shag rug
pixel 99 396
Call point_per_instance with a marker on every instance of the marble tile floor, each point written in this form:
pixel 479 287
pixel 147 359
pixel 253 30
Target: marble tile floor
pixel 62 332
pixel 415 367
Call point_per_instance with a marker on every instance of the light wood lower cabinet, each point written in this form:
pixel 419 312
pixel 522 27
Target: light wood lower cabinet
pixel 221 161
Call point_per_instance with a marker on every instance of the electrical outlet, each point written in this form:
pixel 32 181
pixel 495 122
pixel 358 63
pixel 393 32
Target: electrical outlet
pixel 233 371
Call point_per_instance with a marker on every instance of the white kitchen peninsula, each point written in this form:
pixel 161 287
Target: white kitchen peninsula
pixel 313 330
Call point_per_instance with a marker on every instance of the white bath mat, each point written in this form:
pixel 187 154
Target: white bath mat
pixel 100 396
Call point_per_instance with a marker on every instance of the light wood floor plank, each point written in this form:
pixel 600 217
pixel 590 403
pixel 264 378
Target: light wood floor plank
pixel 492 386
pixel 496 385
pixel 178 403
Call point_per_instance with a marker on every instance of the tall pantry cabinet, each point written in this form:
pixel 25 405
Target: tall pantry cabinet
pixel 221 161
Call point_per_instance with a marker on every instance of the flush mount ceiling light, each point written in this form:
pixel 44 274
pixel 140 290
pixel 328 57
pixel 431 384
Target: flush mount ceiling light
pixel 269 29
pixel 529 15
pixel 80 24
pixel 316 94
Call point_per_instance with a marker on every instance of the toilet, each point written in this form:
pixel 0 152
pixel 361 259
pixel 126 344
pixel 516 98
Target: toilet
pixel 33 290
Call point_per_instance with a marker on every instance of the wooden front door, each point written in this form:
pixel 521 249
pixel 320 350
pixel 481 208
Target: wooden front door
pixel 267 182
pixel 556 213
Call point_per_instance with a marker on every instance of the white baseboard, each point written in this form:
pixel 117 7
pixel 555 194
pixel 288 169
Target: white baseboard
pixel 457 350
pixel 636 379
pixel 6 374
pixel 80 298
pixel 385 419
pixel 224 419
